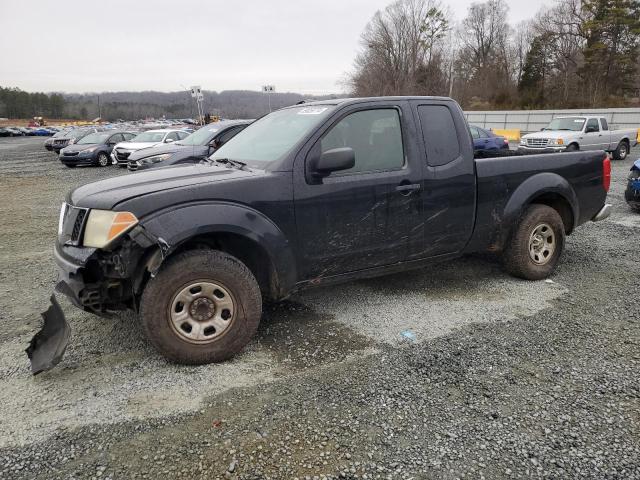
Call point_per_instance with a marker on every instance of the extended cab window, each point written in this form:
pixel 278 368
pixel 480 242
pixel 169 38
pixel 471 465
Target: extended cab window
pixel 440 135
pixel 375 137
pixel 605 125
pixel 592 125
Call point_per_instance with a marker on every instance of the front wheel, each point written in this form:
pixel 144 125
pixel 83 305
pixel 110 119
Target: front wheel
pixel 536 244
pixel 202 307
pixel 103 160
pixel 572 148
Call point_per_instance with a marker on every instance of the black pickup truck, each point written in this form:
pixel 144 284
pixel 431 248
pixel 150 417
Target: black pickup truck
pixel 308 195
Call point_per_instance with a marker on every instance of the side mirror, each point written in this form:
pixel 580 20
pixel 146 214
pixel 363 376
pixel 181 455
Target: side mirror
pixel 333 161
pixel 168 140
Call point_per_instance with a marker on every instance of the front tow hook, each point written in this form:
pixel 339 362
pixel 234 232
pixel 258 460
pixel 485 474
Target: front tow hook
pixel 47 347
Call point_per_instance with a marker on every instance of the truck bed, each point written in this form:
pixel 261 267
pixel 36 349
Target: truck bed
pixel 505 183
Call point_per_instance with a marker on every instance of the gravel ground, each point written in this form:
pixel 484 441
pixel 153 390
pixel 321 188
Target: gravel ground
pixel 500 378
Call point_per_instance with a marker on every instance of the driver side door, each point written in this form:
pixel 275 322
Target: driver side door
pixel 366 216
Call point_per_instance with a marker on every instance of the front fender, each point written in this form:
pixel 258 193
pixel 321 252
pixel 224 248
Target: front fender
pixel 183 222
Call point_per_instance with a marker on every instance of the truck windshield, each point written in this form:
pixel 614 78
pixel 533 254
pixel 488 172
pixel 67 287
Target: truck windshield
pixel 567 123
pixel 273 136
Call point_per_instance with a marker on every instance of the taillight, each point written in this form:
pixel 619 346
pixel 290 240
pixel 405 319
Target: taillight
pixel 606 173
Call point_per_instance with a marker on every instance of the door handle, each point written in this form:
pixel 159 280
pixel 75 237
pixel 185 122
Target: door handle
pixel 408 188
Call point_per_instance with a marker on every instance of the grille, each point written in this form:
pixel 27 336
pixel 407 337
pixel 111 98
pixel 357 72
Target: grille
pixel 537 142
pixel 77 225
pixel 122 155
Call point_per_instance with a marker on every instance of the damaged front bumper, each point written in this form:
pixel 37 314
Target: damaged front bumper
pixel 97 281
pixel 48 345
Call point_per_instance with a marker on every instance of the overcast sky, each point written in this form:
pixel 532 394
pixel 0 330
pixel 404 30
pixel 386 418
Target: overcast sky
pixel 301 46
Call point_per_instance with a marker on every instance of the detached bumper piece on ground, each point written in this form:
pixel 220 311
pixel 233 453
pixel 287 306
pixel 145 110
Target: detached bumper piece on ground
pixel 47 347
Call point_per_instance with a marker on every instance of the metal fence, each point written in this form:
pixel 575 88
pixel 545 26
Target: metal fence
pixel 533 120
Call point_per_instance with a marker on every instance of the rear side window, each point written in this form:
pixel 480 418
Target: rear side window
pixel 375 137
pixel 474 132
pixel 439 133
pixel 605 125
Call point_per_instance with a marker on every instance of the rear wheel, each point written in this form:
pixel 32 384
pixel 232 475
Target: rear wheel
pixel 202 307
pixel 622 151
pixel 103 159
pixel 536 244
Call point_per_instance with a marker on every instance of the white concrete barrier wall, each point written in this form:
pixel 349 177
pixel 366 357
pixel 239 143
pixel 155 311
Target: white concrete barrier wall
pixel 528 121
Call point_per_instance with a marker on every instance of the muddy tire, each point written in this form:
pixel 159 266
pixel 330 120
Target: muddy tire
pixel 202 307
pixel 622 151
pixel 536 244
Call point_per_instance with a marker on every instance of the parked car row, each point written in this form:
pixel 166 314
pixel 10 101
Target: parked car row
pixel 189 150
pixel 139 150
pixel 28 131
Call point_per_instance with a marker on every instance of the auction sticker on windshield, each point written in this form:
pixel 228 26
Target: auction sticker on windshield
pixel 312 110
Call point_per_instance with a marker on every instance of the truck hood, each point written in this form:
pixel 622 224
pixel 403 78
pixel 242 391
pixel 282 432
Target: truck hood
pixel 106 194
pixel 550 134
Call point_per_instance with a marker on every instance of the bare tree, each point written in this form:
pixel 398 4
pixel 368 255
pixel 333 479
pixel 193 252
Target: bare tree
pixel 401 50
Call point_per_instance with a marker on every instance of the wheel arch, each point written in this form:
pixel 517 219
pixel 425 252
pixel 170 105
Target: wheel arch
pixel 235 229
pixel 547 189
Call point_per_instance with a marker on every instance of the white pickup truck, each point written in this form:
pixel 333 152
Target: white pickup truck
pixel 580 133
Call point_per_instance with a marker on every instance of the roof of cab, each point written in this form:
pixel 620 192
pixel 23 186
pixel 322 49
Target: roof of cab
pixel 353 100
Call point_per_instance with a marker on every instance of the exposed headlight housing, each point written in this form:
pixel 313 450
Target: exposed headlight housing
pixel 556 141
pixel 156 158
pixel 104 226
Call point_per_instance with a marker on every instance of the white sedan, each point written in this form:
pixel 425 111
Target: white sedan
pixel 148 139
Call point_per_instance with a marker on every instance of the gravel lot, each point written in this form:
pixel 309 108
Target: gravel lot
pixel 504 379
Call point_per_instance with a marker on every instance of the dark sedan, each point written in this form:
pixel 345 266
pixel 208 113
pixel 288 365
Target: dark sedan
pixel 487 140
pixel 193 149
pixel 72 136
pixel 93 149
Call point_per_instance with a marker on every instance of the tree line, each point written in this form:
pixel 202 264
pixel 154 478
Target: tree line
pixel 578 53
pixel 16 103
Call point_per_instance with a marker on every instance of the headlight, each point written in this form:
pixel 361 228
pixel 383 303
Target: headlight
pixel 104 226
pixel 156 158
pixel 88 150
pixel 556 141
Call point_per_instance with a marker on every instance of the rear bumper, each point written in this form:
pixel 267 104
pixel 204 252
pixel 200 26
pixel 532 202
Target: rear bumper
pixel 555 149
pixel 603 214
